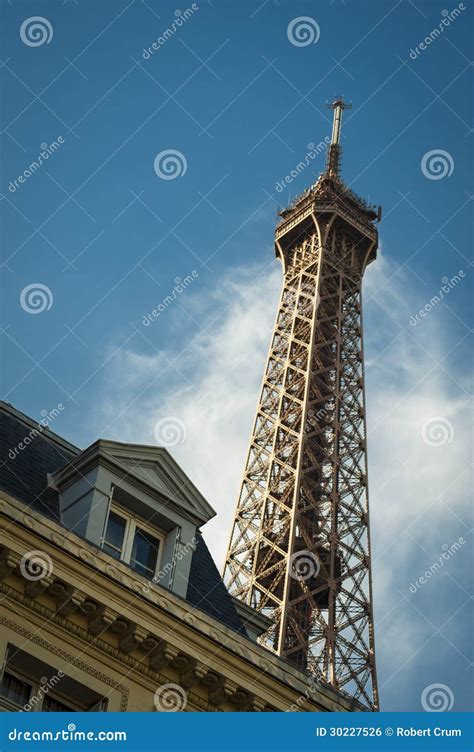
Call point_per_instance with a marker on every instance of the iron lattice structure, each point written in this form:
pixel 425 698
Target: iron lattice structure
pixel 300 548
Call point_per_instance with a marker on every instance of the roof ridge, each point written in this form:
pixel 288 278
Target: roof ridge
pixel 30 422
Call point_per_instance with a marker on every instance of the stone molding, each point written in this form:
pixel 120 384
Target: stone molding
pixel 156 652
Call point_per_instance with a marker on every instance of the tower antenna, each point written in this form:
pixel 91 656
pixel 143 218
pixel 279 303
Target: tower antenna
pixel 333 163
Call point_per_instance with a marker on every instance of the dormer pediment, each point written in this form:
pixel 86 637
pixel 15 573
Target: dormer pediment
pixel 152 469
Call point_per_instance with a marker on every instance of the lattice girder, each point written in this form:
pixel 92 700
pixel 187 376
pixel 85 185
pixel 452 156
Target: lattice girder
pixel 299 549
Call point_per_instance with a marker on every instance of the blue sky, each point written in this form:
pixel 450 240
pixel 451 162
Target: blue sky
pixel 108 238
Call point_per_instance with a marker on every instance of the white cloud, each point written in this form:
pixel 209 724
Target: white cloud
pixel 212 383
pixel 222 369
pixel 411 397
pixel 406 386
pixel 418 492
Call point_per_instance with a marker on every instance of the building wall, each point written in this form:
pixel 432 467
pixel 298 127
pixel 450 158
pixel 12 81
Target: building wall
pixel 102 625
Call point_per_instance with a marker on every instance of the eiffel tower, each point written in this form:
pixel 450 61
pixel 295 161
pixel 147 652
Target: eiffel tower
pixel 299 550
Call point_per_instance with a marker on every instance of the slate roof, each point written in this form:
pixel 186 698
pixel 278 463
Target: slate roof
pixel 23 472
pixel 23 475
pixel 207 591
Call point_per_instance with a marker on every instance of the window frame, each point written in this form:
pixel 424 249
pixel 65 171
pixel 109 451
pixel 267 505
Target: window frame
pixel 132 523
pixel 37 690
pixel 6 702
pixel 104 541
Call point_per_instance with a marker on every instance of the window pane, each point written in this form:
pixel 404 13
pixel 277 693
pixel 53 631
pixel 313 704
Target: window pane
pixel 50 705
pixel 98 707
pixel 14 689
pixel 113 541
pixel 144 553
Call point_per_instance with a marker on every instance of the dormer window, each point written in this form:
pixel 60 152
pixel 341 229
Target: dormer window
pixel 115 535
pixel 145 550
pixel 133 542
pixel 136 504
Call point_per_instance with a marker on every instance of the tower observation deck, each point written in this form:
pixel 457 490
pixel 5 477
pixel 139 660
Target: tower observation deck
pixel 299 550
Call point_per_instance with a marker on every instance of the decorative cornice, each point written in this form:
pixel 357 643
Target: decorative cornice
pixel 8 562
pixel 160 653
pixel 178 622
pixel 51 616
pixel 71 659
